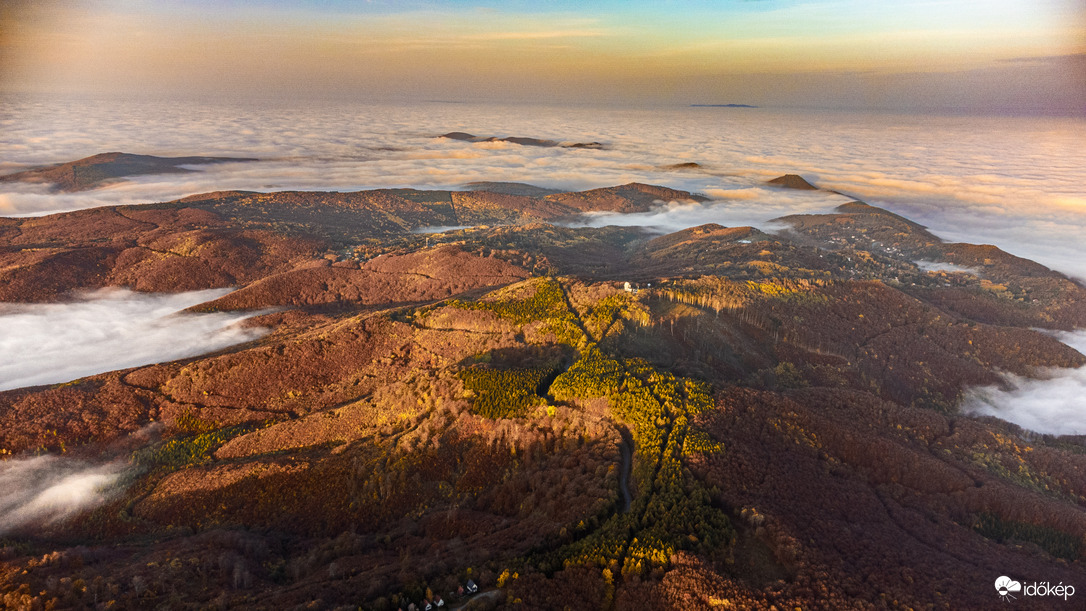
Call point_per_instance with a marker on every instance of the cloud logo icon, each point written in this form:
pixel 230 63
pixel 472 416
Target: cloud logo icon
pixel 1005 585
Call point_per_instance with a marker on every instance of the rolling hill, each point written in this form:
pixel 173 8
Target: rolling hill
pixel 760 421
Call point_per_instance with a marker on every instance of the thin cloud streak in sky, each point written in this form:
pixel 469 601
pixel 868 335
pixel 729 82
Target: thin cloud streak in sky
pixel 1055 405
pixel 536 35
pixel 109 330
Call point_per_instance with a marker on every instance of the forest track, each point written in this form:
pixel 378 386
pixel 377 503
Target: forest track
pixel 625 468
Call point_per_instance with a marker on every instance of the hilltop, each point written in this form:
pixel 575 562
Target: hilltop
pixel 521 140
pixel 107 168
pixel 761 420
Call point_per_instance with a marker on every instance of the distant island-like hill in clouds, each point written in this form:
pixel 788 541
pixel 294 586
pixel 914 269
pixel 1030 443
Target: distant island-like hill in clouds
pixel 523 141
pixel 792 181
pixel 106 168
pixel 555 415
pixel 722 106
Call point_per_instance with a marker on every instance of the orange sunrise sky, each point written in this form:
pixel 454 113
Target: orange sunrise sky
pixel 999 56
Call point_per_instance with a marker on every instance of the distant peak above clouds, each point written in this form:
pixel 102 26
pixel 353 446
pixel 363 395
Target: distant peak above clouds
pixel 466 137
pixel 792 181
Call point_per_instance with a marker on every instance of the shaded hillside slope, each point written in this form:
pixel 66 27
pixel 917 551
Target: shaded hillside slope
pixel 434 408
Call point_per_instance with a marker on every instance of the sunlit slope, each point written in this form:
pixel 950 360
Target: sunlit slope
pixel 774 421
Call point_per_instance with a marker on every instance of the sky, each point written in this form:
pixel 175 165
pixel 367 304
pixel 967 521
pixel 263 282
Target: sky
pixel 999 56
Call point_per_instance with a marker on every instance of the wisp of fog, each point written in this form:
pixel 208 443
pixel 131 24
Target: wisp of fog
pixel 950 268
pixel 108 330
pixel 675 216
pixel 1055 405
pixel 47 489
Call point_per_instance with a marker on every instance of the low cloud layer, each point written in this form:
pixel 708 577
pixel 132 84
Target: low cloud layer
pixel 48 489
pixel 108 330
pixel 1013 182
pixel 1055 405
pixel 675 216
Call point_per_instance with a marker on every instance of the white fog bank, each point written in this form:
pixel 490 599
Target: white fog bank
pixel 1055 405
pixel 108 330
pixel 722 210
pixel 47 489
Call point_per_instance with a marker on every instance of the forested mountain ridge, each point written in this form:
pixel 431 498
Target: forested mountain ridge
pixel 782 410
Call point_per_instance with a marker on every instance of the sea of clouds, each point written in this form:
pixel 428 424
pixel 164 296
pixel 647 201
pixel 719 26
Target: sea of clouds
pixel 1016 182
pixel 1054 405
pixel 108 330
